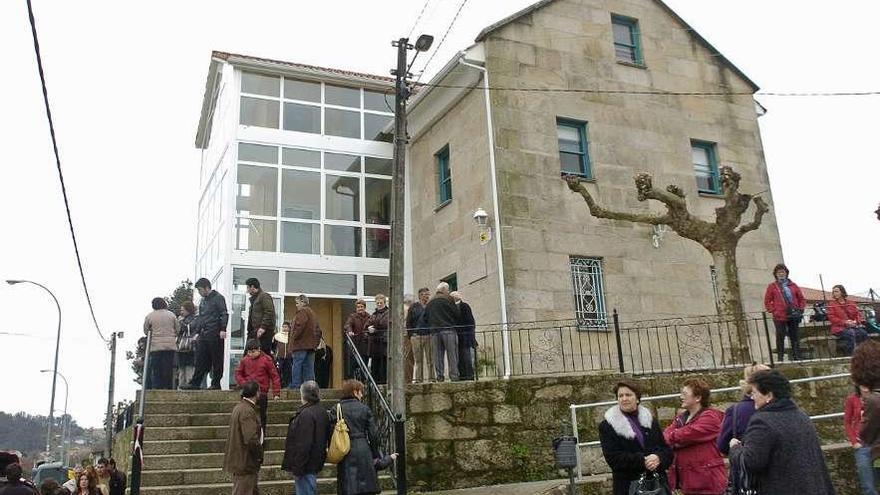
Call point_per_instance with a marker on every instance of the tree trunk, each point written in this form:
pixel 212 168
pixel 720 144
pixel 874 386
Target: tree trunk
pixel 730 306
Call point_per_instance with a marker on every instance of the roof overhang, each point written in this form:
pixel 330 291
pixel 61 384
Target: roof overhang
pixel 209 103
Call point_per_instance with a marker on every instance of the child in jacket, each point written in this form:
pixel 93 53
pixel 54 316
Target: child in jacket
pixel 257 366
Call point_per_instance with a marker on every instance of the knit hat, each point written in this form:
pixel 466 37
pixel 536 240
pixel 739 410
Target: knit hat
pixel 252 345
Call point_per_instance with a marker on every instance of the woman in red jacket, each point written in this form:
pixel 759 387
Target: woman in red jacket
pixel 698 468
pixel 785 301
pixel 846 320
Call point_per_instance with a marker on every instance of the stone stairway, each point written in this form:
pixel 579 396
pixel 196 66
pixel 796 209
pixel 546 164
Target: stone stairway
pixel 185 440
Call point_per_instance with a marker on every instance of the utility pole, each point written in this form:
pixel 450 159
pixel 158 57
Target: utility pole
pixel 109 446
pixel 398 230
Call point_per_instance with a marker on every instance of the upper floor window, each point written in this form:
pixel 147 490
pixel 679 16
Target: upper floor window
pixel 313 107
pixel 311 202
pixel 573 151
pixel 444 175
pixel 452 280
pixel 705 167
pixel 627 42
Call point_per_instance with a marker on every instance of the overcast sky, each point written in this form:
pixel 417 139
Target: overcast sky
pixel 126 81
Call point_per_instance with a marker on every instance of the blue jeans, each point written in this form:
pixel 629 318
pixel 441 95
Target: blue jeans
pixel 302 368
pixel 865 470
pixel 306 484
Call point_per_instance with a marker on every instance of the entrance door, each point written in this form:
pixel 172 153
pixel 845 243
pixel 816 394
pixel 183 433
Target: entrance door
pixel 331 314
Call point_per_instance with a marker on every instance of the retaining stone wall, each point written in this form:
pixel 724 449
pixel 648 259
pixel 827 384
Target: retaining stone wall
pixel 470 434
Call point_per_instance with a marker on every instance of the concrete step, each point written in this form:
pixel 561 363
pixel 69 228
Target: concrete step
pixel 272 487
pixel 224 395
pixel 207 476
pixel 157 433
pixel 200 461
pixel 202 407
pixel 209 446
pixel 210 419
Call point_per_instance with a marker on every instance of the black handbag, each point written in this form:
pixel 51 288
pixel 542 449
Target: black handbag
pixel 741 484
pixel 794 313
pixel 653 485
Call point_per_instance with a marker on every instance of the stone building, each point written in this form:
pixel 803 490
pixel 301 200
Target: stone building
pixel 567 82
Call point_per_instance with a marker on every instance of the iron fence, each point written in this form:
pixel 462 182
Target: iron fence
pixel 391 428
pixel 655 346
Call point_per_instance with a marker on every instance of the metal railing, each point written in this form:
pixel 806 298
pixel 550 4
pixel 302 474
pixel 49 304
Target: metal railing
pixel 638 347
pixel 391 428
pixel 124 417
pixel 595 443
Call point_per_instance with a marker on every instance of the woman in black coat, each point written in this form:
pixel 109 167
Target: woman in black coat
pixel 356 474
pixel 780 449
pixel 632 441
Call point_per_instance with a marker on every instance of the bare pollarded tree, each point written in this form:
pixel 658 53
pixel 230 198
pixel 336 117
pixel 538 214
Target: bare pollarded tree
pixel 720 237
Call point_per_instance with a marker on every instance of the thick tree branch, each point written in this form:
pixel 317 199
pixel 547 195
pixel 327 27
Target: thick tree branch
pixel 761 208
pixel 597 211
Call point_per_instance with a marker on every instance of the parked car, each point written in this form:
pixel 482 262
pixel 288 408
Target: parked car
pixel 50 470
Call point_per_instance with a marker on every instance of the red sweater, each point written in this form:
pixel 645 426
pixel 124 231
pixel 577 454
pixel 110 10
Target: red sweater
pixel 852 418
pixel 839 313
pixel 261 370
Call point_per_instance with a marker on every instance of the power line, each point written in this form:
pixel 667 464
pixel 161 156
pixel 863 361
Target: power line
pixel 661 92
pixel 58 165
pixel 439 45
pixel 418 18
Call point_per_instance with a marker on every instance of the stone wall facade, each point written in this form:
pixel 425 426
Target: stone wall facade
pixel 469 434
pixel 567 44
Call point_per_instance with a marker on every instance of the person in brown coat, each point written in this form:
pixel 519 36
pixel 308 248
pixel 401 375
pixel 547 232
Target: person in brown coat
pixel 377 338
pixel 244 443
pixel 303 341
pixel 163 345
pixel 261 318
pixel 356 328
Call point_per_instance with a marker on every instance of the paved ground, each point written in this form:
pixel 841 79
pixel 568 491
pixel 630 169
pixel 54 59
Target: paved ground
pixel 532 488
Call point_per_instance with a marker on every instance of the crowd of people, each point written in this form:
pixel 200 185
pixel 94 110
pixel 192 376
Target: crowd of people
pixel 101 479
pixel 308 435
pixel 439 332
pixel 771 443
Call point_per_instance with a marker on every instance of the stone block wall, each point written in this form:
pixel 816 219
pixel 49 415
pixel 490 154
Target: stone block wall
pixel 481 433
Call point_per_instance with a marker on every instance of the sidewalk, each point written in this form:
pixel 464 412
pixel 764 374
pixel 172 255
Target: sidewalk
pixel 592 485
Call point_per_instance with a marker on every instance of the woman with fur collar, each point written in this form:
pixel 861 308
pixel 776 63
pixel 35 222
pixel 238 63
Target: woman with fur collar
pixel 631 439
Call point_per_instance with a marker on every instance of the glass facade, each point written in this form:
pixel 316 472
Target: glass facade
pixel 313 107
pixel 303 201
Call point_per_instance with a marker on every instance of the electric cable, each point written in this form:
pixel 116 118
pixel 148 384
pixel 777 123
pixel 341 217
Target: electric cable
pixel 418 18
pixel 58 165
pixel 439 45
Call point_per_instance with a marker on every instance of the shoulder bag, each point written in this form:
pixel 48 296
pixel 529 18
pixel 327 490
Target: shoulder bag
pixel 340 443
pixel 652 484
pixel 185 338
pixel 738 483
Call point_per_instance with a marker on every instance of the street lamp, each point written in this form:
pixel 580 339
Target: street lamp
pixel 65 426
pixel 57 347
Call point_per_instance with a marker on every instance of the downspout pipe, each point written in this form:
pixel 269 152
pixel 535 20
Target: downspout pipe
pixel 505 331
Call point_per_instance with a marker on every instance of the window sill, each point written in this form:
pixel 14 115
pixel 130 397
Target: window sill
pixel 580 178
pixel 707 194
pixel 632 64
pixel 442 205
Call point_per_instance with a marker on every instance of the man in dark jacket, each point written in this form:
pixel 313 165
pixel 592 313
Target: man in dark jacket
pixel 15 485
pixel 307 437
pixel 467 340
pixel 211 324
pixel 244 443
pixel 261 318
pixel 118 481
pixel 304 339
pixel 441 316
pixel 423 349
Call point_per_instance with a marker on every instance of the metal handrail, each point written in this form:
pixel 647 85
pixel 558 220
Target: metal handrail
pixel 575 407
pixel 387 421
